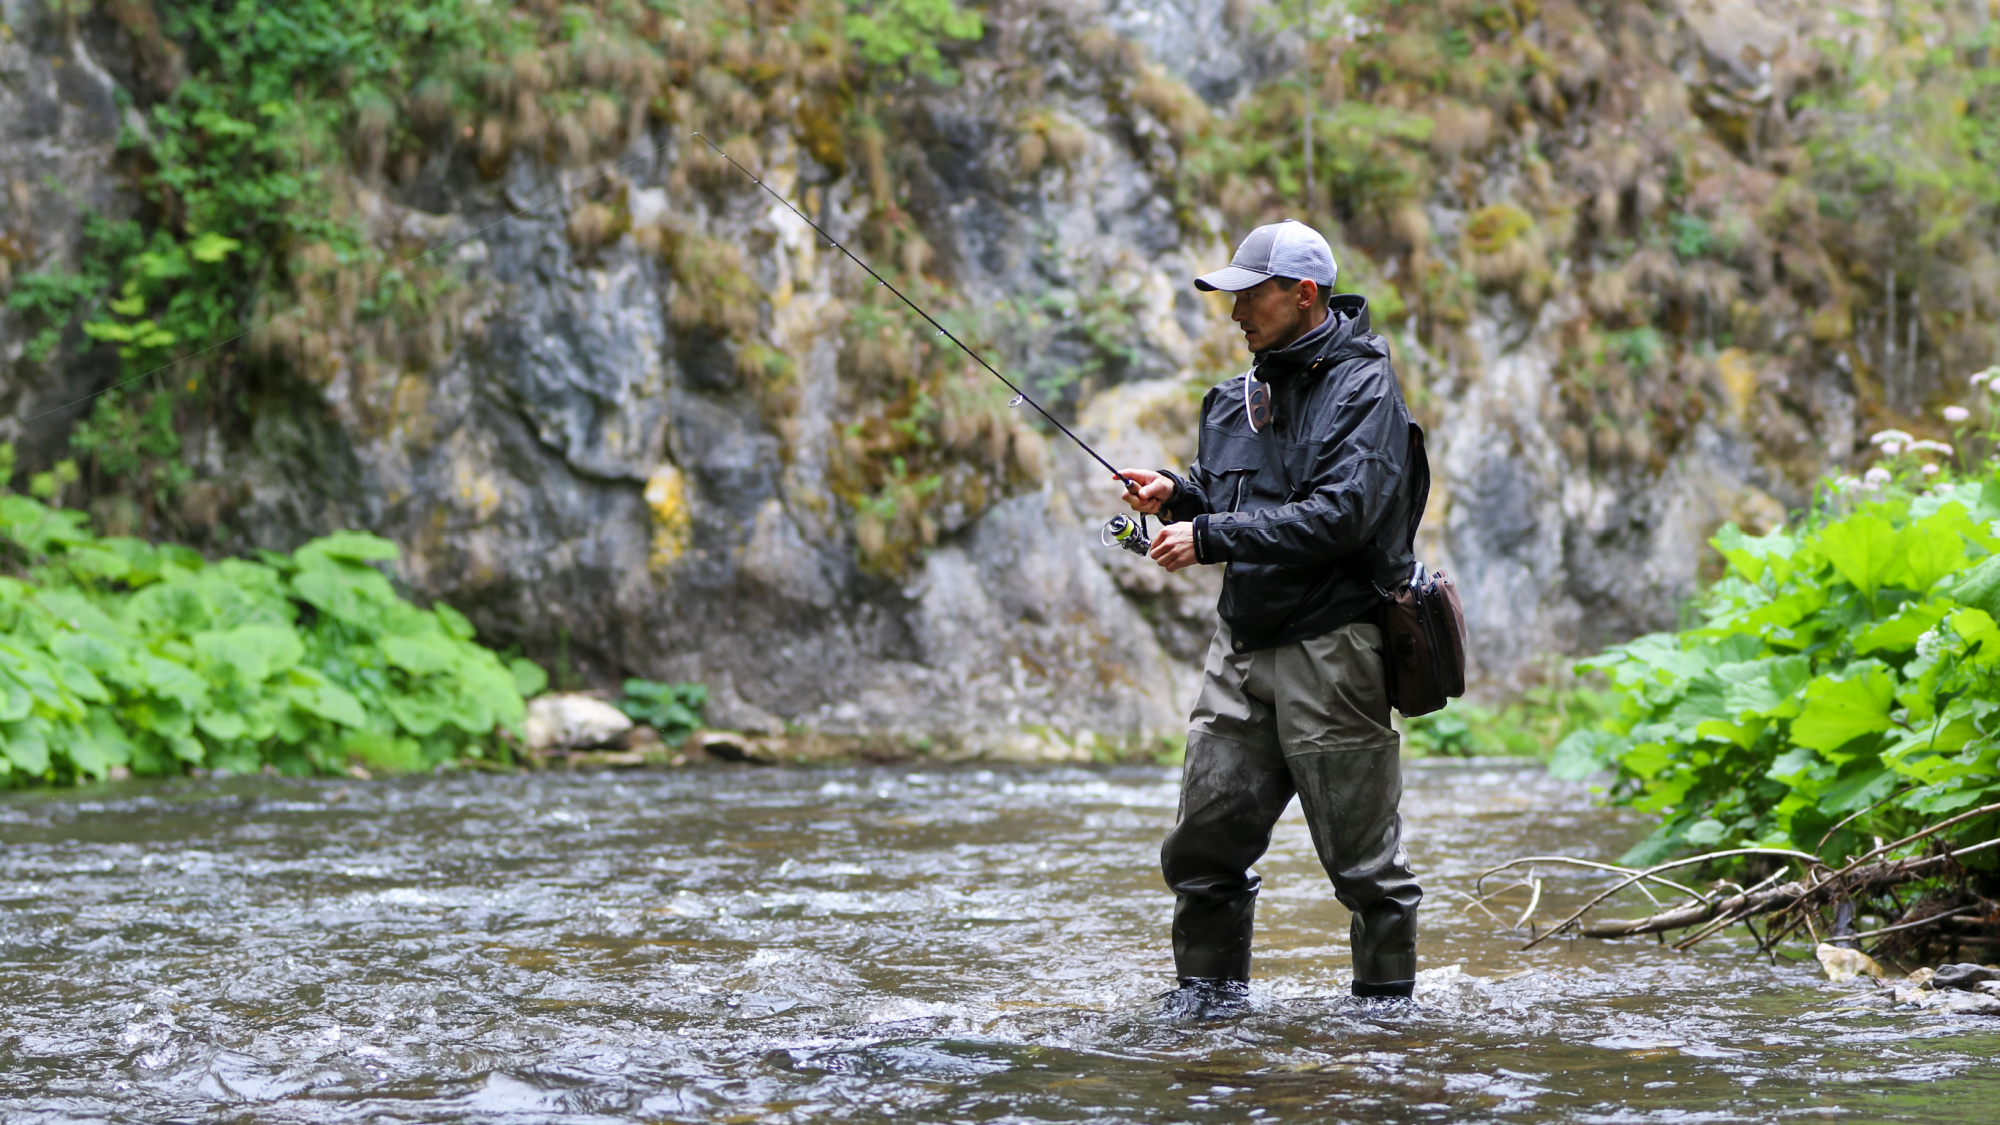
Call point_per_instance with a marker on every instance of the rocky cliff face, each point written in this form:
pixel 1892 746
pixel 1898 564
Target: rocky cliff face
pixel 646 435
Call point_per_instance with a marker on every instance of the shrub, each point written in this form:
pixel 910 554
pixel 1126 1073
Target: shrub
pixel 1843 681
pixel 119 653
pixel 672 709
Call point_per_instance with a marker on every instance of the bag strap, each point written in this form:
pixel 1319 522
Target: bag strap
pixel 1420 462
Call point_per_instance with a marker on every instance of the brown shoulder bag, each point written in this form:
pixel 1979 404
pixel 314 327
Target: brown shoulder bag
pixel 1423 626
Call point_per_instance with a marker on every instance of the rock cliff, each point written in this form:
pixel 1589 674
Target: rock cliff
pixel 651 425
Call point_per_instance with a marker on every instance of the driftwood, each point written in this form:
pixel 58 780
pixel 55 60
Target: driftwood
pixel 1809 887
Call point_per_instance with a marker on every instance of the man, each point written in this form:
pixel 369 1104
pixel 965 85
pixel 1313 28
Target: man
pixel 1306 487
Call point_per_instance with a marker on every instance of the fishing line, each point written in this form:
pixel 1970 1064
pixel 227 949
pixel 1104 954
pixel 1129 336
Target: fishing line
pixel 1020 396
pixel 531 208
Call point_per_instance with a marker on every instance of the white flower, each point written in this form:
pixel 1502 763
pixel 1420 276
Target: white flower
pixel 1875 477
pixel 1929 644
pixel 1928 446
pixel 1891 448
pixel 1930 470
pixel 1956 413
pixel 1884 437
pixel 1979 378
pixel 1843 483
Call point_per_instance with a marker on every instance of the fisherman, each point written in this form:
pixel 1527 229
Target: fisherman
pixel 1305 487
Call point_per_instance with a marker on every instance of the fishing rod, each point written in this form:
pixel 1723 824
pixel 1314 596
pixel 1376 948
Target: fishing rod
pixel 1121 531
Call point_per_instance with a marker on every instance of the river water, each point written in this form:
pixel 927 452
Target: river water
pixel 927 944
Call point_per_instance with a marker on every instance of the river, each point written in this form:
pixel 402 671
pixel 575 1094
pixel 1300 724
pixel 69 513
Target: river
pixel 856 944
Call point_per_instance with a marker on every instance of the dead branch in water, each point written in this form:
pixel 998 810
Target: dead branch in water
pixel 1812 887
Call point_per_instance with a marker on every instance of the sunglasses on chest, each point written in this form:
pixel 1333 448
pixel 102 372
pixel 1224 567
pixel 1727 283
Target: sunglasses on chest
pixel 1256 401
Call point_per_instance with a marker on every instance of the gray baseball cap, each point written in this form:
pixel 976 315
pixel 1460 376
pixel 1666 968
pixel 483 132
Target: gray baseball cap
pixel 1288 249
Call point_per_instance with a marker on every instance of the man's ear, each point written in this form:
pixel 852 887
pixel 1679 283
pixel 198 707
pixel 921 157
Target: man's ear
pixel 1308 292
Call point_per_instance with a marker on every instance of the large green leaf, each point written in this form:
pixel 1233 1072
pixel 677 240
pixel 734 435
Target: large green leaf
pixel 421 655
pixel 358 546
pixel 421 714
pixel 1862 550
pixel 1768 688
pixel 1980 635
pixel 250 653
pixel 456 625
pixel 173 680
pixel 529 677
pixel 316 695
pixel 1840 709
pixel 1585 752
pixel 226 726
pixel 16 701
pixel 355 595
pixel 26 744
pixel 1753 557
pixel 1930 549
pixel 1980 587
pixel 1857 791
pixel 1900 631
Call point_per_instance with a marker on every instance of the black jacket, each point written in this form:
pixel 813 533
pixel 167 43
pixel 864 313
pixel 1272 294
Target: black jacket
pixel 1311 553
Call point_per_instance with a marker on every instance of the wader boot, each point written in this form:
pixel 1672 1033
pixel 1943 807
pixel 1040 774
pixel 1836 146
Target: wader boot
pixel 1309 719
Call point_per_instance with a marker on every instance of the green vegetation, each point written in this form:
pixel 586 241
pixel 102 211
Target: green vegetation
pixel 1842 682
pixel 903 35
pixel 1528 726
pixel 260 263
pixel 674 710
pixel 248 210
pixel 119 655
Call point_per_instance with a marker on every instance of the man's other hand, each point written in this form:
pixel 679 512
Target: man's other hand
pixel 1173 547
pixel 1155 489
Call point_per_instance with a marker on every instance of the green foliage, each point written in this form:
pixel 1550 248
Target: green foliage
pixel 236 170
pixel 672 709
pixel 903 35
pixel 116 653
pixel 1843 682
pixel 1690 236
pixel 1530 726
pixel 1909 136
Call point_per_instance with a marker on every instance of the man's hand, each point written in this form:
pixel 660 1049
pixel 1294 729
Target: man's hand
pixel 1155 489
pixel 1173 547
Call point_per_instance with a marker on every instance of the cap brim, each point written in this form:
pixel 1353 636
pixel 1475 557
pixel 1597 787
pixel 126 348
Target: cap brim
pixel 1231 279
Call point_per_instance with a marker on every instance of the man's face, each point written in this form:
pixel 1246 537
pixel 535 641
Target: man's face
pixel 1273 316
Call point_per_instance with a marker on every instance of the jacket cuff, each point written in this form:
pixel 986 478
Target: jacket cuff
pixel 1180 496
pixel 1201 554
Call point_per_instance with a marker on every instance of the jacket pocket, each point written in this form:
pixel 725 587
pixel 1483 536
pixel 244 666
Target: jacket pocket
pixel 1224 450
pixel 1233 459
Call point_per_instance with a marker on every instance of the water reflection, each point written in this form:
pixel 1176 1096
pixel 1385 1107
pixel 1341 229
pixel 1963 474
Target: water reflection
pixel 934 945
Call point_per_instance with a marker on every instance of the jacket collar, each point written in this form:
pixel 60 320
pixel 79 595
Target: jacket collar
pixel 1340 333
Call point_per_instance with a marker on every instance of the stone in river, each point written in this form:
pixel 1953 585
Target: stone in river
pixel 1846 964
pixel 568 721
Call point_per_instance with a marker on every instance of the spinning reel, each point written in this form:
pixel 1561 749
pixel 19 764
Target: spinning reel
pixel 1126 532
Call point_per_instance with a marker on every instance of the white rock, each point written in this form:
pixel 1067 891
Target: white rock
pixel 566 721
pixel 1846 964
